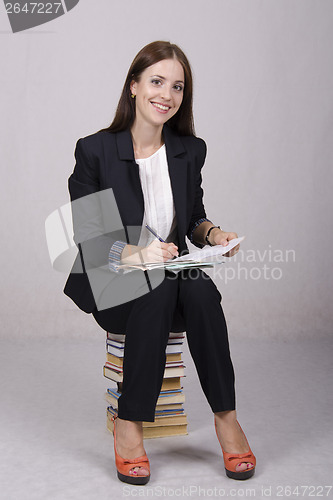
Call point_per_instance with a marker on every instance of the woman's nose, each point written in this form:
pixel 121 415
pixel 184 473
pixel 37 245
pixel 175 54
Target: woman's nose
pixel 165 92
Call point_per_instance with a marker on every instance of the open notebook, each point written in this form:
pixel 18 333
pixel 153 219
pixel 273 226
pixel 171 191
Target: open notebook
pixel 206 257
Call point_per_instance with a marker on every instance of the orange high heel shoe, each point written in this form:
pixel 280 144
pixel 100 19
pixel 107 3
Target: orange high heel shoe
pixel 124 465
pixel 231 460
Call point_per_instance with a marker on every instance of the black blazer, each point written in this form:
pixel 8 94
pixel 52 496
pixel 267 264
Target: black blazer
pixel 106 160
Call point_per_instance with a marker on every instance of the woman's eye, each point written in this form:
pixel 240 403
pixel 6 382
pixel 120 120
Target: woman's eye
pixel 156 81
pixel 178 87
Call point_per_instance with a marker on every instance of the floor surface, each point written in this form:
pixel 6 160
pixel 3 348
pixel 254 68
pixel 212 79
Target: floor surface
pixel 54 442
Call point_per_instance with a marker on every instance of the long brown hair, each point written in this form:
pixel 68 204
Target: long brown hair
pixel 182 121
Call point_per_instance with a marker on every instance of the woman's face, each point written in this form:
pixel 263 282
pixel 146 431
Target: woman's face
pixel 159 93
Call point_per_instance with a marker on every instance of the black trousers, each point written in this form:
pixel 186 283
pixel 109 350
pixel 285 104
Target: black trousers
pixel 147 321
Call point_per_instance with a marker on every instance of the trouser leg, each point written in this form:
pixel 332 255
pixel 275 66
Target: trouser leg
pixel 147 333
pixel 207 338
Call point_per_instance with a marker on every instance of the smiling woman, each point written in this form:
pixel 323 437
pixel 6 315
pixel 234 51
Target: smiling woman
pixel 151 159
pixel 146 64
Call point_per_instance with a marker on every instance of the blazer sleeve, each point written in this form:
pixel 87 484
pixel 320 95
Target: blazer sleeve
pixel 98 231
pixel 198 212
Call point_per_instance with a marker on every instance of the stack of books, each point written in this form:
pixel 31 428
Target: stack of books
pixel 170 418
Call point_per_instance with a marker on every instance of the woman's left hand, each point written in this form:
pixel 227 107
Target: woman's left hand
pixel 219 237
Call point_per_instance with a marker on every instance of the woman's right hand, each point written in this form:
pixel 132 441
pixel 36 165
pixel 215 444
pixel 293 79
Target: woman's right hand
pixel 158 251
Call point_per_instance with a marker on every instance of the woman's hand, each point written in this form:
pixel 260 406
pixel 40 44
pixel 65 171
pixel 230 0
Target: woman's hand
pixel 219 237
pixel 158 251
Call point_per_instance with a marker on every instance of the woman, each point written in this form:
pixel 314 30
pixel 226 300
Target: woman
pixel 152 160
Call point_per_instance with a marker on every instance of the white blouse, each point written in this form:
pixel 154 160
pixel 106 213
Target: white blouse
pixel 159 210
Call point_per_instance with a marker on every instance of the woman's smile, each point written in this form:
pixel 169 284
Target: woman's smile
pixel 161 108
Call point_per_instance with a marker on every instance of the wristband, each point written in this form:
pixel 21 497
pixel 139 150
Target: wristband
pixel 209 230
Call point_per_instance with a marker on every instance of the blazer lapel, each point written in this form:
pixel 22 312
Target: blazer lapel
pixel 123 177
pixel 178 176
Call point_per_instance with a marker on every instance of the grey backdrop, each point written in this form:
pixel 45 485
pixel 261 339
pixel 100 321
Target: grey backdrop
pixel 263 95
